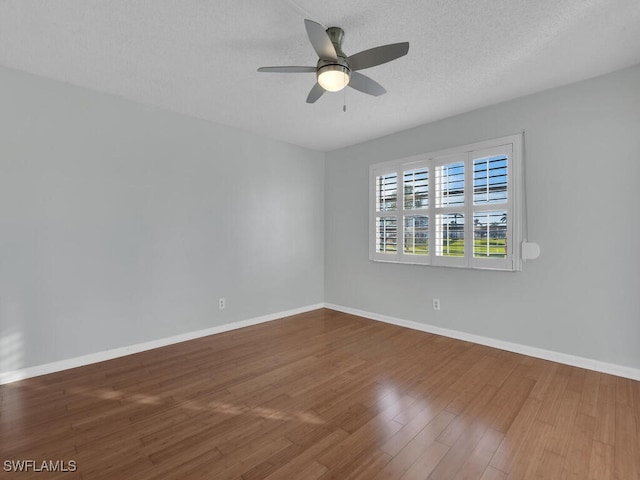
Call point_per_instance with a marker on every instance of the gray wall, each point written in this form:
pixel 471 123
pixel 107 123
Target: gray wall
pixel 582 296
pixel 121 223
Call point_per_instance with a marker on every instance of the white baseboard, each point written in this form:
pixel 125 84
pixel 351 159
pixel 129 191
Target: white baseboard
pixel 573 360
pixel 28 372
pixel 581 362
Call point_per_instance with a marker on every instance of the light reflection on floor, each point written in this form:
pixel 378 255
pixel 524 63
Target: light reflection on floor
pixel 195 405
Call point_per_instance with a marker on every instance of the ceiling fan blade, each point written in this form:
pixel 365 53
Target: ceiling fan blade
pixel 366 85
pixel 377 56
pixel 288 69
pixel 315 93
pixel 320 40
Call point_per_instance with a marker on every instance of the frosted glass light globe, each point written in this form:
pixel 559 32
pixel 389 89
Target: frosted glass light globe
pixel 333 78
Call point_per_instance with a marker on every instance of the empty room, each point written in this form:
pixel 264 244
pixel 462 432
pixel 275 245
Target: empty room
pixel 320 240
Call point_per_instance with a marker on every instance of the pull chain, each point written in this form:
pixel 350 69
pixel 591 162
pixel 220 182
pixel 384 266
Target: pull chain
pixel 344 98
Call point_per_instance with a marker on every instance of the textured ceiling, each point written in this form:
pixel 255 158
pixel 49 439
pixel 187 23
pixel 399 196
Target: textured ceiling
pixel 200 57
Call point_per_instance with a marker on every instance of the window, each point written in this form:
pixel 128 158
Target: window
pixel 457 208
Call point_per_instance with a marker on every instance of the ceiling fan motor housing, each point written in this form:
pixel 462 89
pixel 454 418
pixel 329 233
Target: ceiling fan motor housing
pixel 340 66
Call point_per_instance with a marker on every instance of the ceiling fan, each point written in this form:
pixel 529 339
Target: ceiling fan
pixel 335 70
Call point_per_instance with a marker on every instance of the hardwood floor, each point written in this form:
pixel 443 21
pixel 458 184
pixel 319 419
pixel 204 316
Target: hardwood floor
pixel 324 395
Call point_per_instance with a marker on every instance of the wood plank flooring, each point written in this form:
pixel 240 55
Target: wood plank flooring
pixel 320 396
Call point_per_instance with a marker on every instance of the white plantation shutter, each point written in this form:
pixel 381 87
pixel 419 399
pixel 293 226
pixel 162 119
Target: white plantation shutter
pixel 415 215
pixel 415 184
pixel 385 245
pixel 449 210
pixel 491 209
pixel 457 208
pixel 386 192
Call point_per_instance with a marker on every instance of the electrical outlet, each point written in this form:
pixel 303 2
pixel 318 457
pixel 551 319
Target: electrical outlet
pixel 222 303
pixel 436 304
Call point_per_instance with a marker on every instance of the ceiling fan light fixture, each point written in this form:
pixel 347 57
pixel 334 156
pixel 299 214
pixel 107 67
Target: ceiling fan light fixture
pixel 334 78
pixel 334 68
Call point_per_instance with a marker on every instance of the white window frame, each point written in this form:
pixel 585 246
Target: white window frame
pixel 512 147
